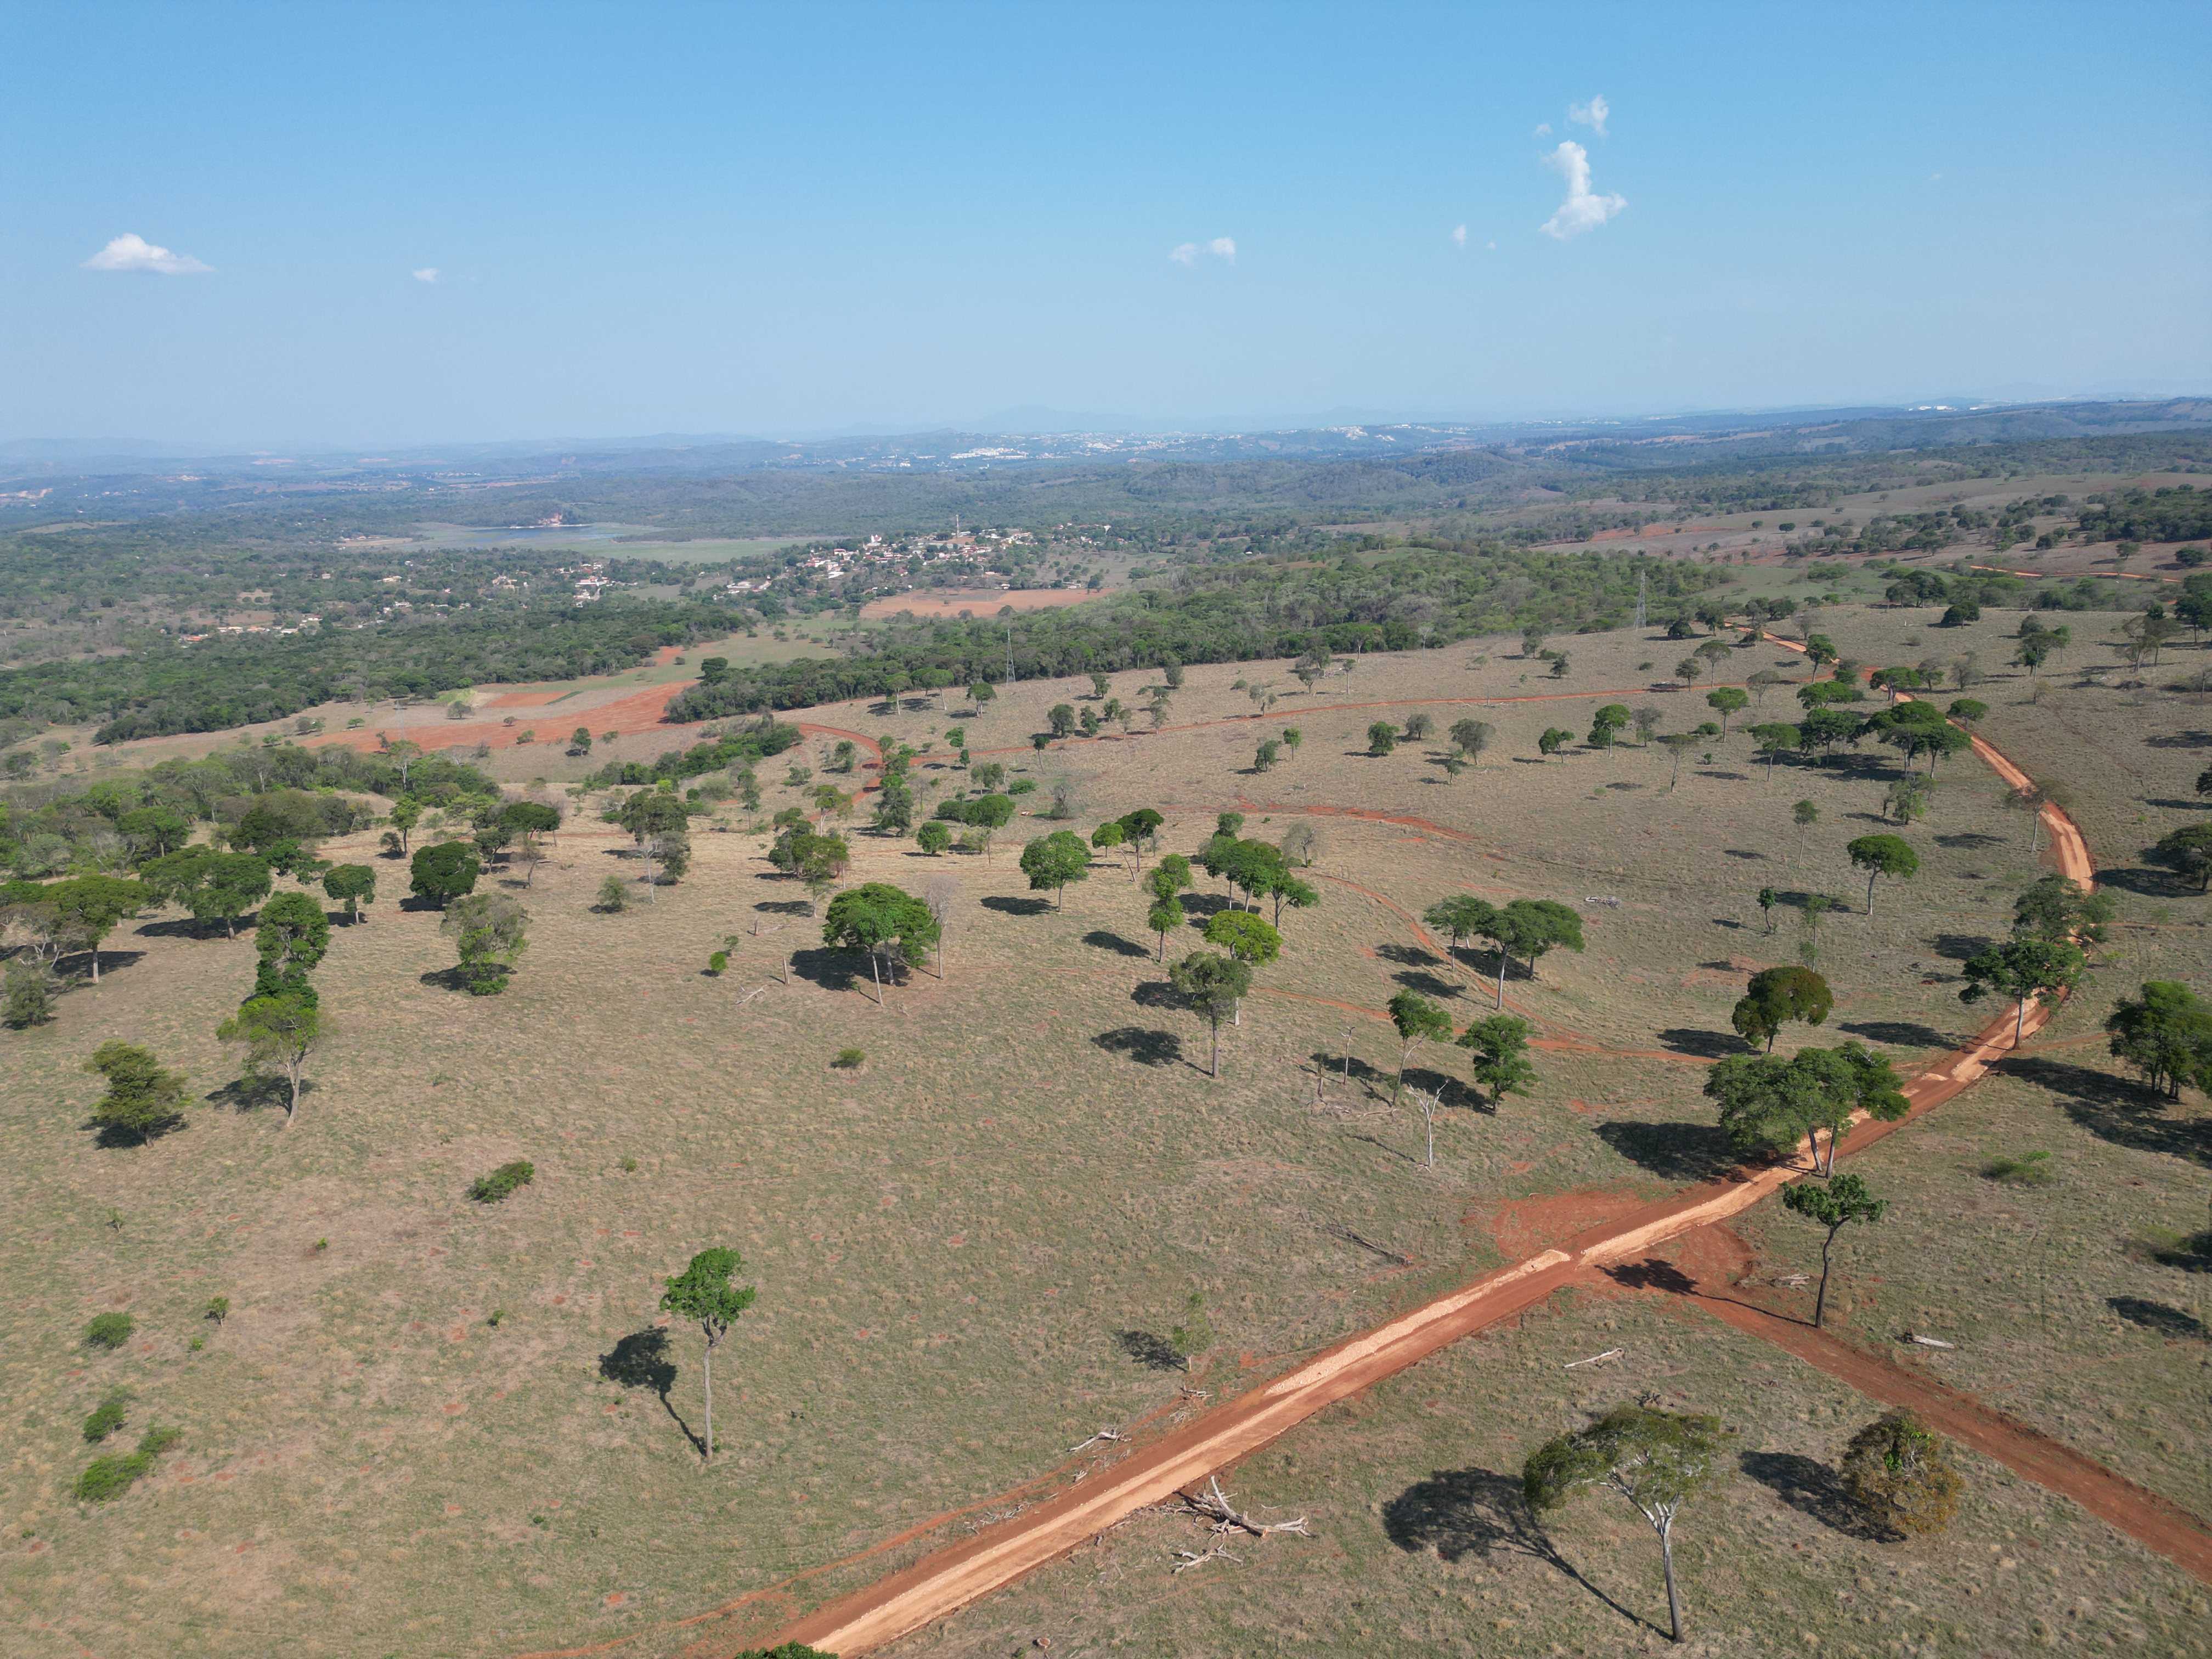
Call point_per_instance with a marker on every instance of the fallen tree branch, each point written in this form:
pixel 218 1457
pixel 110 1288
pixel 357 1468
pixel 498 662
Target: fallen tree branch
pixel 1598 1358
pixel 1191 1558
pixel 1382 1250
pixel 1214 1504
pixel 1113 1436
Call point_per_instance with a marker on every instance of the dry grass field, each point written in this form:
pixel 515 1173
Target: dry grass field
pixel 429 1426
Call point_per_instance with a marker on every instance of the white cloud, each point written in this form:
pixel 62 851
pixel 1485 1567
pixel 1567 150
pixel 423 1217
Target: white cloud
pixel 427 274
pixel 1543 129
pixel 1582 210
pixel 131 252
pixel 1459 236
pixel 1493 247
pixel 1221 247
pixel 1591 115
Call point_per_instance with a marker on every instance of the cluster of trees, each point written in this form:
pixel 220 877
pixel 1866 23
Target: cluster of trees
pixel 1415 595
pixel 1527 928
pixel 761 741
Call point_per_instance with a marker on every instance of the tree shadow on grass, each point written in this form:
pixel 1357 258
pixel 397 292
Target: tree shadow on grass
pixel 1199 906
pixel 2181 740
pixel 2179 806
pixel 1969 840
pixel 2117 1109
pixel 1154 1353
pixel 1481 1513
pixel 252 1094
pixel 785 907
pixel 1106 940
pixel 185 928
pixel 640 1360
pixel 1351 1068
pixel 1409 955
pixel 1704 1045
pixel 2157 1316
pixel 1006 906
pixel 1957 947
pixel 1159 994
pixel 831 970
pixel 1898 1033
pixel 2147 883
pixel 1429 986
pixel 1145 1047
pixel 1672 1152
pixel 1811 1487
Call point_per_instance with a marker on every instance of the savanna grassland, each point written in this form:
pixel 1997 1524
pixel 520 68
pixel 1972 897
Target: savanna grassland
pixel 431 1426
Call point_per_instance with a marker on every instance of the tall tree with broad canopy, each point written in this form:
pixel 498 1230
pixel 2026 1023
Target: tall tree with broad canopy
pixel 88 906
pixel 1529 928
pixel 2059 907
pixel 1165 916
pixel 1775 997
pixel 1215 985
pixel 441 873
pixel 1382 738
pixel 278 1031
pixel 1883 855
pixel 352 885
pixel 1500 1048
pixel 1606 724
pixel 292 937
pixel 2188 853
pixel 1835 1205
pixel 1419 1020
pixel 1471 738
pixel 2026 970
pixel 890 924
pixel 2165 1034
pixel 1728 700
pixel 1657 1459
pixel 1052 861
pixel 488 931
pixel 704 1294
pixel 1459 918
pixel 1767 1104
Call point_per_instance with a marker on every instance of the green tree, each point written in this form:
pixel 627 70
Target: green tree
pixel 1882 855
pixel 704 1294
pixel 1170 876
pixel 2188 853
pixel 1529 928
pixel 1605 725
pixel 1052 861
pixel 153 831
pixel 1471 738
pixel 1767 1104
pixel 1768 898
pixel 278 1030
pixel 1553 739
pixel 228 885
pixel 1214 985
pixel 1250 939
pixel 1060 717
pixel 1677 744
pixel 933 837
pixel 891 924
pixel 1108 835
pixel 406 813
pixel 1382 738
pixel 1835 1205
pixel 28 998
pixel 141 1099
pixel 488 931
pixel 1417 1020
pixel 290 938
pixel 1499 1045
pixel 1657 1459
pixel 441 873
pixel 88 906
pixel 1902 1476
pixel 352 885
pixel 2059 907
pixel 1774 998
pixel 1728 700
pixel 1776 738
pixel 1164 917
pixel 2165 1033
pixel 2025 970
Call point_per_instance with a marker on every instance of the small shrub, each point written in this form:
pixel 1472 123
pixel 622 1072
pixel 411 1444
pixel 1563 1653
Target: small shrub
pixel 28 999
pixel 718 962
pixel 107 1416
pixel 2029 1169
pixel 495 1186
pixel 321 1244
pixel 493 1318
pixel 1902 1475
pixel 217 1308
pixel 110 1477
pixel 109 1331
pixel 849 1060
pixel 614 896
pixel 629 1166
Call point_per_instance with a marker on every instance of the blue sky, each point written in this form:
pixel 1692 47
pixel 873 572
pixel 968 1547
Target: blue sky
pixel 791 219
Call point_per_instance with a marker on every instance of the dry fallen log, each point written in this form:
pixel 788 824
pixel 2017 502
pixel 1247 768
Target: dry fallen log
pixel 1214 1504
pixel 1598 1358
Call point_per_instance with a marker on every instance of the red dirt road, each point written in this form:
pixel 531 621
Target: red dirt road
pixel 947 1580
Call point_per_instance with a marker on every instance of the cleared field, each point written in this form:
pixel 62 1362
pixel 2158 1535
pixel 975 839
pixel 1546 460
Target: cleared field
pixel 929 603
pixel 962 1246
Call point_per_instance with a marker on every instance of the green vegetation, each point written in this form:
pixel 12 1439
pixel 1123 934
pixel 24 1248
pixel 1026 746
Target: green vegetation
pixel 496 1186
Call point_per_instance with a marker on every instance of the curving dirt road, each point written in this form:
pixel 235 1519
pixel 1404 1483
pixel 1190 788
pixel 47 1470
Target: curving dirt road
pixel 950 1578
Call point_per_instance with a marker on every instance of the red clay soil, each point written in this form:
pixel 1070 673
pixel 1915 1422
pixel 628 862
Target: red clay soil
pixel 2150 1520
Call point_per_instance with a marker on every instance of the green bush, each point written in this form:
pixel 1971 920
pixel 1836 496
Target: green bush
pixel 111 1477
pixel 2029 1169
pixel 107 1416
pixel 849 1060
pixel 718 962
pixel 788 1650
pixel 492 1187
pixel 109 1330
